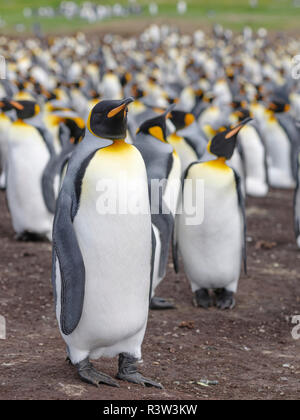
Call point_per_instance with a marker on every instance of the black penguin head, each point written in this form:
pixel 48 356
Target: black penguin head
pixel 108 119
pixel 26 109
pixel 242 114
pixel 278 105
pixel 223 144
pixel 181 119
pixel 77 129
pixel 238 103
pixel 157 126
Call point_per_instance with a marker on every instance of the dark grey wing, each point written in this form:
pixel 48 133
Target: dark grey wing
pixel 241 202
pixel 47 188
pixel 53 169
pixel 65 244
pixel 296 201
pixel 174 237
pixel 71 265
pixel 165 225
pixel 152 263
pixel 47 139
pixel 289 126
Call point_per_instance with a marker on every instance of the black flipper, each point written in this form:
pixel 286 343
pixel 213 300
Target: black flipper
pixel 165 225
pixel 53 169
pixel 175 252
pixel 152 263
pixel 289 126
pixel 66 248
pixel 241 202
pixel 296 194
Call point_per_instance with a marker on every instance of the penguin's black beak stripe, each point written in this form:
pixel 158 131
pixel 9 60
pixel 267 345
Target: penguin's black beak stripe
pixel 17 105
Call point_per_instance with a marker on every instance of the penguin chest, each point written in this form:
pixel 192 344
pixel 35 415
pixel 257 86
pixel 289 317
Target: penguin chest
pixel 115 243
pixel 27 159
pixel 211 248
pixel 279 152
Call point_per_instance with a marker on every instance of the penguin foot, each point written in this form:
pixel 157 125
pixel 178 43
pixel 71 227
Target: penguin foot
pixel 30 237
pixel 224 299
pixel 128 372
pixel 90 375
pixel 160 304
pixel 203 299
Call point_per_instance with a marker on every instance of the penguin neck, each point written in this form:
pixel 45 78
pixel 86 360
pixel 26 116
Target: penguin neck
pixel 220 161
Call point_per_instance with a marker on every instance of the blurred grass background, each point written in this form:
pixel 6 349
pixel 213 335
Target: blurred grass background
pixel 279 15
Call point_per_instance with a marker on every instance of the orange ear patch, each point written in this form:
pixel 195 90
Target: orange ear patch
pixel 189 119
pixel 157 133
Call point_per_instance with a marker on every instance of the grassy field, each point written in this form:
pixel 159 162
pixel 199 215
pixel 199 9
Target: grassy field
pixel 272 14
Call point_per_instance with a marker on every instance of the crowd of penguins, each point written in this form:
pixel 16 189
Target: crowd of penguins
pixel 219 108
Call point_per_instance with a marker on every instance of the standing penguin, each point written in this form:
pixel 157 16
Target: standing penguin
pixel 212 250
pixel 297 200
pixel 29 151
pixel 102 257
pixel 254 157
pixel 5 122
pixel 281 147
pixel 163 166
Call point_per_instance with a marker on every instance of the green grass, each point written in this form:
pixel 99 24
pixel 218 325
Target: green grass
pixel 273 14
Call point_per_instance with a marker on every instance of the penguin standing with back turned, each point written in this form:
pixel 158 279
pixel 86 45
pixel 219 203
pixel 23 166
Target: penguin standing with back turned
pixel 163 166
pixel 102 256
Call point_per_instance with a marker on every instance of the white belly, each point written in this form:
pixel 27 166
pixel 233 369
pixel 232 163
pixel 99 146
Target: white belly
pixel 279 157
pixel 211 251
pixel 116 250
pixel 255 166
pixel 27 159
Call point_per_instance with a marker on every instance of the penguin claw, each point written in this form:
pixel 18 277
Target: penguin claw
pixel 203 299
pixel 90 375
pixel 224 299
pixel 160 304
pixel 139 379
pixel 128 372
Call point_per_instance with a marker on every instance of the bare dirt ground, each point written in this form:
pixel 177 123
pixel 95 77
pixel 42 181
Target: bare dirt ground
pixel 249 351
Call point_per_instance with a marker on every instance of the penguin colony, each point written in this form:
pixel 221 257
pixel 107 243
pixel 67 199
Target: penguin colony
pixel 220 112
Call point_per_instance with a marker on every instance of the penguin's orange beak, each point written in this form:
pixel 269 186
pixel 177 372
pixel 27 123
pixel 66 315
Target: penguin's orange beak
pixel 120 108
pixel 17 105
pixel 116 111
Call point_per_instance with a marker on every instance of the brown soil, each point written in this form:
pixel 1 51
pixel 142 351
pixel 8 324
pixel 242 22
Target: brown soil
pixel 249 350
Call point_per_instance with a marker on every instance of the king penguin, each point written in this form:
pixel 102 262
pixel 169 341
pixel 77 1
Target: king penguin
pixel 29 151
pixel 5 122
pixel 102 256
pixel 163 166
pixel 212 246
